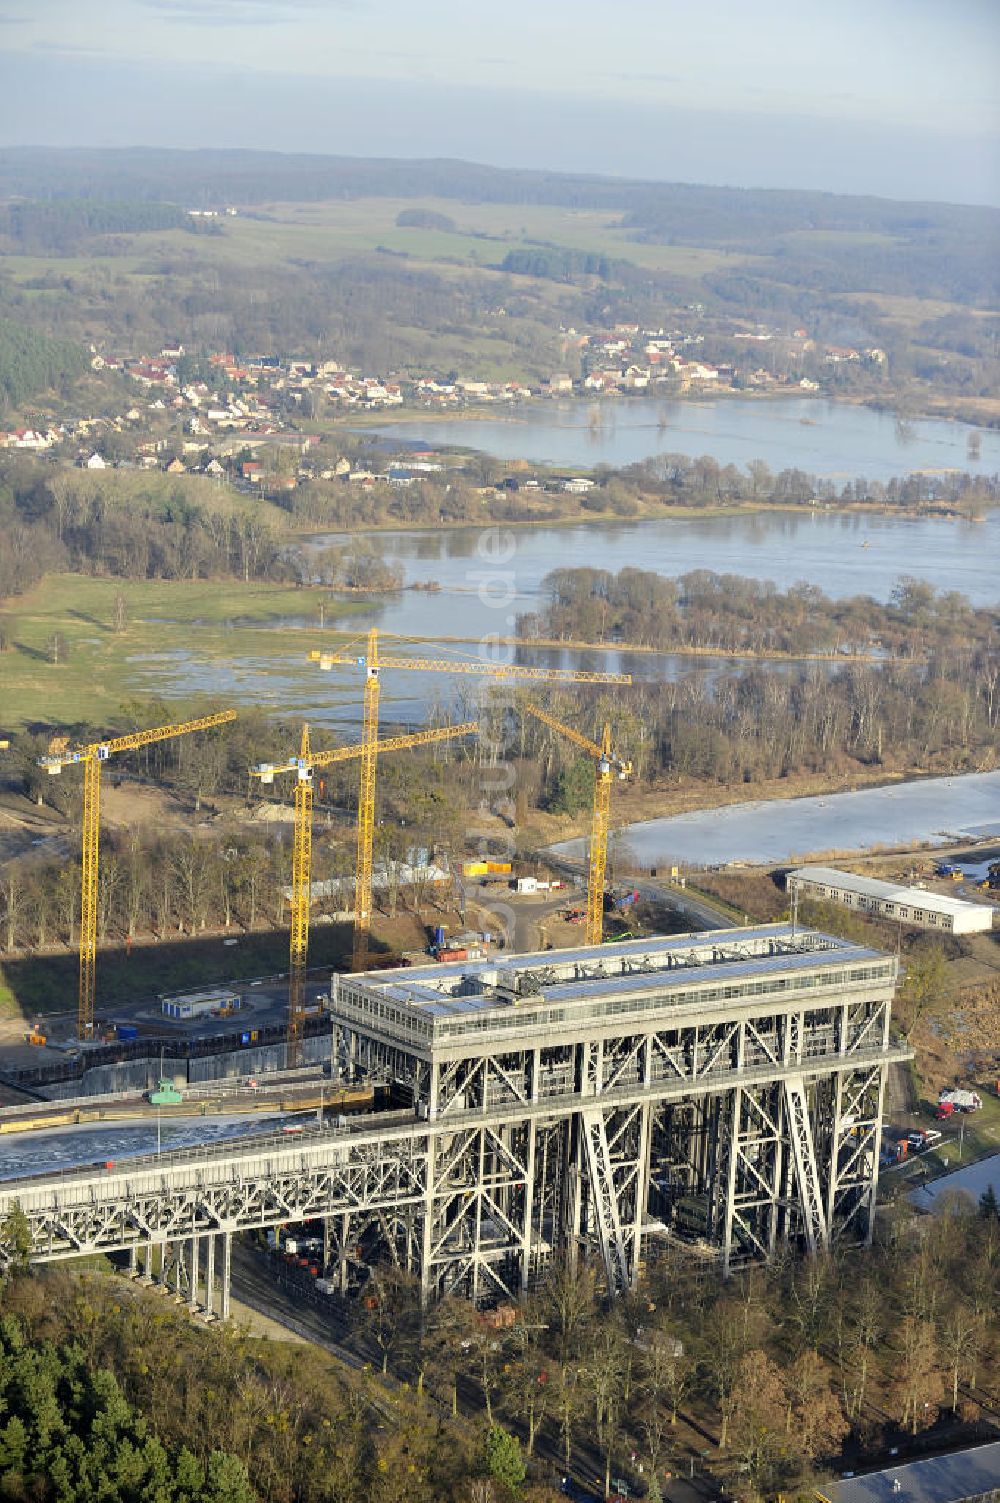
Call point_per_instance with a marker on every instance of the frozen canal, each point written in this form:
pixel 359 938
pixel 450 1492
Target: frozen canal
pixel 936 810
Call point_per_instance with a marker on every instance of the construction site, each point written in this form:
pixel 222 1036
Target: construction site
pixel 479 1112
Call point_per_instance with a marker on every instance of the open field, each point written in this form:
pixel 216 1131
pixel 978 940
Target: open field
pixel 328 232
pixel 190 624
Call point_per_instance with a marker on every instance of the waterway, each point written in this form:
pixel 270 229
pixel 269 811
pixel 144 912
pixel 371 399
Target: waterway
pixel 935 810
pixel 832 439
pixel 61 1148
pixel 490 576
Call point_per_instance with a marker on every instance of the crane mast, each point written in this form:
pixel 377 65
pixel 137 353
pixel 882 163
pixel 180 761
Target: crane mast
pixel 609 766
pixel 93 756
pixel 304 766
pixel 298 942
pixel 372 663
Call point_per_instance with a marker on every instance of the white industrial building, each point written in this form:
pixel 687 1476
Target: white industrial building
pixel 184 1005
pixel 887 900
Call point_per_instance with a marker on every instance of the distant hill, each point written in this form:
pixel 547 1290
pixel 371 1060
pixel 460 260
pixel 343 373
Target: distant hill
pixel 949 251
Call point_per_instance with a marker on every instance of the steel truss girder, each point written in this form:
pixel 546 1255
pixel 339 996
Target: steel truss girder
pixel 524 1150
pixel 806 1169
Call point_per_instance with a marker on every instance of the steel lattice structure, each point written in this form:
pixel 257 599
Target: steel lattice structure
pixel 725 1089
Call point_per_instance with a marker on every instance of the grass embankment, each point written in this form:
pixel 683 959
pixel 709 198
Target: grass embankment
pixel 182 639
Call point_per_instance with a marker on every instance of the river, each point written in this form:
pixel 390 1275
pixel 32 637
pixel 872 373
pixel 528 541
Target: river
pixel 832 439
pixel 488 576
pixel 936 810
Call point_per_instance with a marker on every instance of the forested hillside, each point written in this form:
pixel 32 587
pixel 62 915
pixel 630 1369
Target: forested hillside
pixel 31 362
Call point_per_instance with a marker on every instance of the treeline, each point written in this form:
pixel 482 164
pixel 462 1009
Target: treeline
pixel 69 1433
pixel 58 519
pixel 770 1381
pixel 40 226
pixel 704 481
pixel 558 263
pixel 734 613
pixel 765 723
pixel 786 1368
pixel 424 219
pixel 31 362
pixel 133 1402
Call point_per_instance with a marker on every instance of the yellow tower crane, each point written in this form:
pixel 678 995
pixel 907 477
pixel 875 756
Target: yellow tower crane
pixel 92 757
pixel 609 766
pixel 372 663
pixel 304 766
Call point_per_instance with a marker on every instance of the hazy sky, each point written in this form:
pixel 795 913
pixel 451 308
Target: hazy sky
pixel 887 96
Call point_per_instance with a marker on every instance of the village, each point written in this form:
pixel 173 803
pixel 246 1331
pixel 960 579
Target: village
pixel 188 410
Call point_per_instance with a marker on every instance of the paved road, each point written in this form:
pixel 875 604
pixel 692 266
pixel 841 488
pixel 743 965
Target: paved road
pixel 695 909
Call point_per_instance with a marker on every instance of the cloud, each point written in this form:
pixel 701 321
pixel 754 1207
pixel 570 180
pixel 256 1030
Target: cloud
pixel 233 12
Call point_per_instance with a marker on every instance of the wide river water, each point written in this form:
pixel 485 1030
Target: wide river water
pixel 833 439
pixel 488 576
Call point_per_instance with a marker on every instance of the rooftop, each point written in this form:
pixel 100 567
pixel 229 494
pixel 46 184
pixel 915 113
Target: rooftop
pixel 886 892
pixel 939 1479
pixel 629 976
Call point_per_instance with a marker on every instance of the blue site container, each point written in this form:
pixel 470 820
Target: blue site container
pixel 127 1032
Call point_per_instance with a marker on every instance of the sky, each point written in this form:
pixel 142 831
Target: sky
pixel 894 97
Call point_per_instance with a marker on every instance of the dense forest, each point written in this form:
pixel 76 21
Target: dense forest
pixel 771 1380
pixel 64 226
pixel 558 263
pixel 31 363
pixel 55 519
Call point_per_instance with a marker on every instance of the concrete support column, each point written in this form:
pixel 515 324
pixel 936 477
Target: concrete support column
pixel 734 1138
pixel 883 1077
pixel 427 1230
pixel 133 1261
pixel 227 1270
pixel 641 1189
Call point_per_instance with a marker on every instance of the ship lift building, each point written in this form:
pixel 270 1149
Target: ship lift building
pixel 912 906
pixel 722 1090
pixel 725 1089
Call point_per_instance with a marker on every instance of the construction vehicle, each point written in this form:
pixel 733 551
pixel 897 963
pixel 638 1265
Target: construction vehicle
pixel 371 662
pixel 93 756
pixel 610 765
pixel 304 766
pixel 35 1036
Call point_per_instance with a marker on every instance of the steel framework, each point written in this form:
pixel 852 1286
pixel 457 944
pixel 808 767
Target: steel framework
pixel 304 766
pixel 722 1089
pixel 609 765
pixel 373 661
